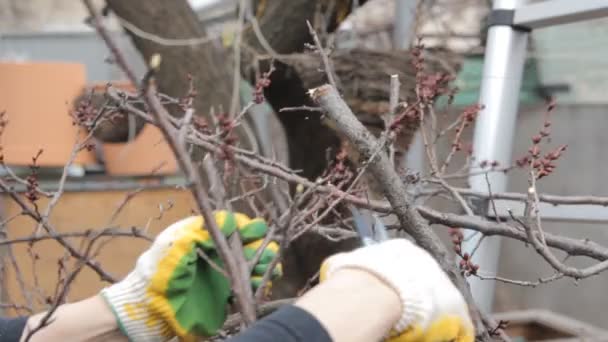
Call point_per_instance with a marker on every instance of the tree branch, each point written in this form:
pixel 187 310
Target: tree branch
pixel 392 186
pixel 239 284
pixel 52 231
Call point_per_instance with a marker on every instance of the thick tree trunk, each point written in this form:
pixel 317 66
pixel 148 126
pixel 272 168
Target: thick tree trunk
pixel 208 64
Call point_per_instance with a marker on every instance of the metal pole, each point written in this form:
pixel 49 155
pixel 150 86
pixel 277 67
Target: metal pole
pixel 403 35
pixel 405 18
pixel 505 56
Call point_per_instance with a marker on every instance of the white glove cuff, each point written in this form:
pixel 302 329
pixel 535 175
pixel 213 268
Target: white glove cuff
pixel 127 300
pixel 416 301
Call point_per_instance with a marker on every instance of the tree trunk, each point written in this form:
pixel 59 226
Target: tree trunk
pixel 208 64
pixel 283 25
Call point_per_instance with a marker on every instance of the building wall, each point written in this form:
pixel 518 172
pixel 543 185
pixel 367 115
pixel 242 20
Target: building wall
pixel 79 211
pixel 581 171
pixel 42 15
pixel 79 47
pixel 573 55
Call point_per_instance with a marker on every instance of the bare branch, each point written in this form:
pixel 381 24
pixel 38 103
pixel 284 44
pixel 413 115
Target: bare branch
pixel 240 285
pixel 51 230
pixel 394 190
pixel 115 232
pixel 329 70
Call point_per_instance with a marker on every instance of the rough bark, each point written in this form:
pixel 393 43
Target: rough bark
pixel 207 63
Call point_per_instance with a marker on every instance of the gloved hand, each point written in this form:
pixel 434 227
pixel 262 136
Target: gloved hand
pixel 433 310
pixel 173 291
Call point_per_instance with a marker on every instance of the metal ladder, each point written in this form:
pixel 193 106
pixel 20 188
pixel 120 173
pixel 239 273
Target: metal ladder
pixel 510 23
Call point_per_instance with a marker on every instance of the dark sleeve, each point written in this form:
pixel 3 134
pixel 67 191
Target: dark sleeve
pixel 12 328
pixel 288 324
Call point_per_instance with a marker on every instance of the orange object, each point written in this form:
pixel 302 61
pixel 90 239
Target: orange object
pixel 147 154
pixel 37 98
pixel 77 212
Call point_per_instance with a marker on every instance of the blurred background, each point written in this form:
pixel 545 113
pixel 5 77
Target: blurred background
pixel 49 57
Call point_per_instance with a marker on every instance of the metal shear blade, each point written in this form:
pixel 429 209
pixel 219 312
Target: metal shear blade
pixel 369 227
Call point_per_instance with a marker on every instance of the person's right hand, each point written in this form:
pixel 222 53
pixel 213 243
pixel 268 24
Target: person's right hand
pixel 433 310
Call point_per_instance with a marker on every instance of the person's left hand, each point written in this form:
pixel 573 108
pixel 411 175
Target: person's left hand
pixel 432 308
pixel 175 292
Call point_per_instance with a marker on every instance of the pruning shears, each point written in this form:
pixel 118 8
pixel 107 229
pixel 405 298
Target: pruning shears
pixel 370 228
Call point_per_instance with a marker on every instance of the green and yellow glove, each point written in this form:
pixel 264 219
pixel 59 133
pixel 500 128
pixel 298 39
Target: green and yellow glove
pixel 173 291
pixel 432 309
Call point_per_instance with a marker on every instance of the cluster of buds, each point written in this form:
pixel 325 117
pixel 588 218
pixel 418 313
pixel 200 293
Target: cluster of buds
pixel 408 119
pixel 467 117
pixel 429 87
pixel 543 165
pixel 3 123
pixel 226 126
pixel 31 192
pixel 466 264
pixel 546 165
pixel 469 114
pixel 417 58
pixel 261 84
pixel 84 114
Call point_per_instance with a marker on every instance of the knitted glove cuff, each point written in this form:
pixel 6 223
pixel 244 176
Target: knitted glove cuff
pixel 416 300
pixel 127 299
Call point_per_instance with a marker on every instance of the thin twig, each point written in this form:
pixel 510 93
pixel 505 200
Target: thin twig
pixel 300 108
pixel 128 197
pixel 390 117
pixel 521 282
pixel 133 232
pixel 239 284
pixel 51 230
pixel 60 298
pixel 329 70
pixel 66 168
